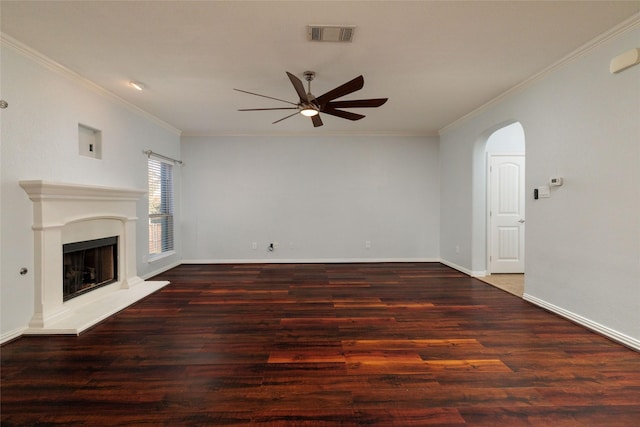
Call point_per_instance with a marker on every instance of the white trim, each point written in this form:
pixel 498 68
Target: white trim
pixel 612 334
pixel 472 273
pixel 51 65
pixel 161 270
pixel 302 133
pixel 456 267
pixel 162 255
pixel 12 335
pixel 487 204
pixel 583 50
pixel 306 261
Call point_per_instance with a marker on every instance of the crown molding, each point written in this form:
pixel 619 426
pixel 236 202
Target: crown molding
pixel 320 135
pixel 583 50
pixel 51 65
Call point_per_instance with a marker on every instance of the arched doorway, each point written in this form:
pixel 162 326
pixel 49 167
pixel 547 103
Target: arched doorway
pixel 505 189
pixel 505 153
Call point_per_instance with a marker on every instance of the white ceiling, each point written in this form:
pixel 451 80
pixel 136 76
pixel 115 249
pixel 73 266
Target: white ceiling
pixel 436 61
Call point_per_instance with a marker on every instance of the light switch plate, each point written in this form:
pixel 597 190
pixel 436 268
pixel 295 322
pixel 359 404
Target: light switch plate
pixel 544 192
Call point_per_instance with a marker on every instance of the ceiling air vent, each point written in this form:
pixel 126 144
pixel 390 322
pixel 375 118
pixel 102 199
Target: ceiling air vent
pixel 331 33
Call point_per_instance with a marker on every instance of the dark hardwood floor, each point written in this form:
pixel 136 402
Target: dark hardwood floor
pixel 324 345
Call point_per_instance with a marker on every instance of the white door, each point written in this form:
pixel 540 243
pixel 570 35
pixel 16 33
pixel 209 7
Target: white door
pixel 506 213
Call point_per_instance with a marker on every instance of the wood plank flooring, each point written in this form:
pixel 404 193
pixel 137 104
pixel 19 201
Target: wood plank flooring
pixel 323 345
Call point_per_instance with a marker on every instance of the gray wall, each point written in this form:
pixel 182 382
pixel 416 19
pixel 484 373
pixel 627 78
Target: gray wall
pixel 320 198
pixel 583 243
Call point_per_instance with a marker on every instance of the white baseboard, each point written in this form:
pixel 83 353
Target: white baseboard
pixel 12 335
pixel 587 323
pixel 472 273
pixel 306 261
pixel 161 270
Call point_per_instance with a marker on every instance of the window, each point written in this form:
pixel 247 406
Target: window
pixel 160 207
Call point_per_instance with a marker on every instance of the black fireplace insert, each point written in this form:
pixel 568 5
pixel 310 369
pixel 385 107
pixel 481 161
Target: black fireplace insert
pixel 89 265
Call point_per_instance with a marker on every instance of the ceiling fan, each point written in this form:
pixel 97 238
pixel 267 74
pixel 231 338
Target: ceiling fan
pixel 312 106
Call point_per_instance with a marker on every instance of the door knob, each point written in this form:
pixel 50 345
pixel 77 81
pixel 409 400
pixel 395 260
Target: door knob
pixel 521 221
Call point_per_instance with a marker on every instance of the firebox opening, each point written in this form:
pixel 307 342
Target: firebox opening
pixel 89 265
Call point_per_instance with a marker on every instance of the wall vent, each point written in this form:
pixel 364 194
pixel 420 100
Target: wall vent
pixel 331 33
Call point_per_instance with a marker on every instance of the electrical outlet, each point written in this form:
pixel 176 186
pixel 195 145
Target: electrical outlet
pixel 367 244
pixel 254 245
pixel 276 245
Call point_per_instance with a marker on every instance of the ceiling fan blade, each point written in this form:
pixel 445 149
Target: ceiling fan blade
pixel 290 115
pixel 265 96
pixel 266 109
pixel 344 114
pixel 317 121
pixel 299 87
pixel 345 89
pixel 357 103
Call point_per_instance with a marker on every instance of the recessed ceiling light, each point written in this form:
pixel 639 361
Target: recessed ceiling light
pixel 136 85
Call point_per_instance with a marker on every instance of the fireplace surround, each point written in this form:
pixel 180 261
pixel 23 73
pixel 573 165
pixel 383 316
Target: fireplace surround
pixel 65 214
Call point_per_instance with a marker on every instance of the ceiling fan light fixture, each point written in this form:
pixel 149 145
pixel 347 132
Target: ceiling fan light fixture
pixel 309 112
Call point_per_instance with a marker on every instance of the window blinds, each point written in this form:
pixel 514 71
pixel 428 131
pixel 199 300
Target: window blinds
pixel 160 207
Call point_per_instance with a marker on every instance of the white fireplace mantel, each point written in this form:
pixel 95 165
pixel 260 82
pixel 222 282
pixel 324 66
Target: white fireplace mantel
pixel 66 213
